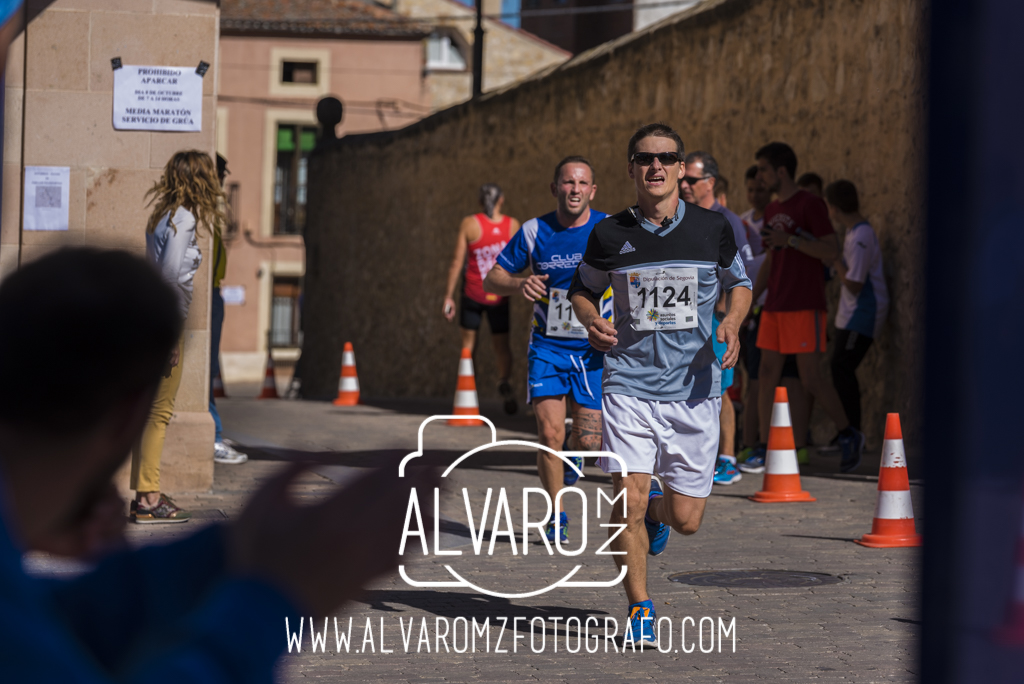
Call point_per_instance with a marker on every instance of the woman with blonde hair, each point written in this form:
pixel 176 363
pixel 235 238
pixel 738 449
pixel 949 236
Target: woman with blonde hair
pixel 187 205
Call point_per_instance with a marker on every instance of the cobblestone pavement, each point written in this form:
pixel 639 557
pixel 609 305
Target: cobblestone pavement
pixel 863 628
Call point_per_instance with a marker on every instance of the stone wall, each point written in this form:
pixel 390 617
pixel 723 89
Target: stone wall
pixel 840 81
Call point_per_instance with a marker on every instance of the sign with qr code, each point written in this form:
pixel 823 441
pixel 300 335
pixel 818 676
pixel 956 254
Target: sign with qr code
pixel 158 98
pixel 47 191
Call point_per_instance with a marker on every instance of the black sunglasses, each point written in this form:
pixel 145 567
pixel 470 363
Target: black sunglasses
pixel 647 158
pixel 693 180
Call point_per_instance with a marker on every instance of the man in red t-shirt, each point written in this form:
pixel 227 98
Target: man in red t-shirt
pixel 798 237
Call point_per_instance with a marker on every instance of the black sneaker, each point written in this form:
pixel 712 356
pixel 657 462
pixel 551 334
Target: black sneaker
pixel 505 390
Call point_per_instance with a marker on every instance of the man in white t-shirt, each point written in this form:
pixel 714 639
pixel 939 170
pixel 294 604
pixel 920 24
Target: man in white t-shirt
pixel 864 299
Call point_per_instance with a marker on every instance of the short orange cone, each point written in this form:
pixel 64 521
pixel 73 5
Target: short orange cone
pixel 348 384
pixel 218 388
pixel 781 470
pixel 893 525
pixel 466 403
pixel 269 390
pixel 1011 633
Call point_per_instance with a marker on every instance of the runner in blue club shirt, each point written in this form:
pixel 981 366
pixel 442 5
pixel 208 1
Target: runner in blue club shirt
pixel 562 364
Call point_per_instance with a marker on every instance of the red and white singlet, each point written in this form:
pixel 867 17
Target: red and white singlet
pixel 481 256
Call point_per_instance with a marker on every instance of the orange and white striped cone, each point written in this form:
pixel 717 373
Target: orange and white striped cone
pixel 269 390
pixel 348 384
pixel 218 388
pixel 781 470
pixel 1011 633
pixel 466 403
pixel 893 524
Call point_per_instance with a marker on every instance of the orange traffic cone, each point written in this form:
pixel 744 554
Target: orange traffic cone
pixel 269 390
pixel 893 524
pixel 781 471
pixel 1011 633
pixel 348 384
pixel 466 403
pixel 218 388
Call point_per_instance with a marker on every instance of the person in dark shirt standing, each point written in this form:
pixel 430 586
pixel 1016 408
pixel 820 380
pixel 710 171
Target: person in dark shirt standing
pixel 798 237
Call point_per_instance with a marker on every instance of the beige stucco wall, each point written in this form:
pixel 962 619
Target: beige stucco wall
pixel 509 54
pixel 59 96
pixel 841 82
pixel 253 102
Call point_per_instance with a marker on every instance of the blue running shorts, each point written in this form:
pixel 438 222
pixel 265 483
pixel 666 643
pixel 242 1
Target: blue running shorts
pixel 720 349
pixel 554 373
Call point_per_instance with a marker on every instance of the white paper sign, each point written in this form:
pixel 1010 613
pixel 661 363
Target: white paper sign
pixel 47 190
pixel 234 295
pixel 157 98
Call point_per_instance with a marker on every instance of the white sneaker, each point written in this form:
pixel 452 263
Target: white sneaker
pixel 222 453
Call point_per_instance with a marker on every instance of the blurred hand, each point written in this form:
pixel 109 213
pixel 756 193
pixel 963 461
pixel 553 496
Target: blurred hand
pixel 602 334
pixel 95 532
pixel 448 310
pixel 175 357
pixel 533 287
pixel 324 554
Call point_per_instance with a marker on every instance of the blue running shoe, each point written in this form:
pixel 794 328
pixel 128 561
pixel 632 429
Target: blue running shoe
pixel 726 473
pixel 563 529
pixel 657 532
pixel 755 463
pixel 570 477
pixel 641 625
pixel 852 448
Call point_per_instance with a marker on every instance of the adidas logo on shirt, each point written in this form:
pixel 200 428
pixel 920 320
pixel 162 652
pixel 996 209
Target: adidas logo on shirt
pixel 627 248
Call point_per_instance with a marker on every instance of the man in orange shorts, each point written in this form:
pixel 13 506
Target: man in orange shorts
pixel 798 237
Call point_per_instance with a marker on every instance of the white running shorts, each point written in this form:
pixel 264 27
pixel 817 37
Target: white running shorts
pixel 676 440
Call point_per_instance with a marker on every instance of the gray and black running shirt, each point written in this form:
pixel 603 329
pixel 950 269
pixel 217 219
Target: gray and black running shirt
pixel 665 281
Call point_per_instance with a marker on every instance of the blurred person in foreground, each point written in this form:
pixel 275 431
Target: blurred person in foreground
pixel 207 609
pixel 188 203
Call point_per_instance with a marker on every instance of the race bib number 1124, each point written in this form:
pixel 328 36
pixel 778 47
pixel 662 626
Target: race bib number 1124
pixel 663 298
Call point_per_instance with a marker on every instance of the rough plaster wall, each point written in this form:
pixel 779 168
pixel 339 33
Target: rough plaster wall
pixel 840 80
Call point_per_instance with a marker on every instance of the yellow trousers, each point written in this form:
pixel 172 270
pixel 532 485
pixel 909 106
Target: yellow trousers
pixel 147 452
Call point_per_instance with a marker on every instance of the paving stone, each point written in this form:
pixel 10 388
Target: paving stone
pixel 863 629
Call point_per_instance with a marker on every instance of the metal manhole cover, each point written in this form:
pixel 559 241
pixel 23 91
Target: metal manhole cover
pixel 754 579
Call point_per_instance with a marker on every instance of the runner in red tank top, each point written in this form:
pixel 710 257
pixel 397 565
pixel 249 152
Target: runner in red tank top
pixel 481 238
pixel 481 255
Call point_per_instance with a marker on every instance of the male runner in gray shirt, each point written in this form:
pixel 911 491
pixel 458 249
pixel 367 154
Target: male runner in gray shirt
pixel 666 262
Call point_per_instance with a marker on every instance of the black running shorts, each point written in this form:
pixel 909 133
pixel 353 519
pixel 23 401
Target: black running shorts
pixel 471 313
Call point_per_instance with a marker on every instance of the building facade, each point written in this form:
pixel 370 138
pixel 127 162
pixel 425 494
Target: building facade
pixel 58 104
pixel 510 54
pixel 276 64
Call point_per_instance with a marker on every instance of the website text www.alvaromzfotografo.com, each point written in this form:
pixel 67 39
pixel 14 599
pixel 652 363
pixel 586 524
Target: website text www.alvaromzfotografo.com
pixel 505 635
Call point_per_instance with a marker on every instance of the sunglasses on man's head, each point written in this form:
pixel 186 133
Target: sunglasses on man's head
pixel 693 180
pixel 647 158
